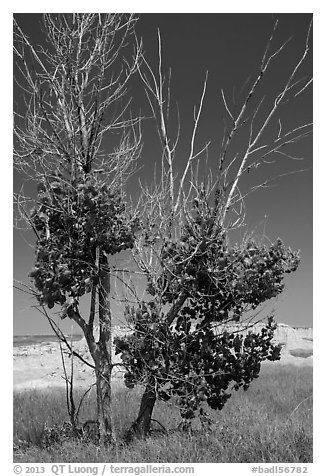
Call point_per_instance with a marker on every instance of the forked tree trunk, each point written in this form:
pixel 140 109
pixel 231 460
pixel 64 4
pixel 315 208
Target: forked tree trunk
pixel 141 427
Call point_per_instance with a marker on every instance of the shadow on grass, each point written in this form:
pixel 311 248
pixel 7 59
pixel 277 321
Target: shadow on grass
pixel 303 353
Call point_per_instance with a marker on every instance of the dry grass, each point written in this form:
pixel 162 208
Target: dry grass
pixel 271 422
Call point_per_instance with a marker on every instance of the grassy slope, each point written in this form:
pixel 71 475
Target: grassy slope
pixel 263 424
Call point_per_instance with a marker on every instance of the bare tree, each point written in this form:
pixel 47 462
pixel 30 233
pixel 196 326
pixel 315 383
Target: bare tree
pixel 75 138
pixel 197 281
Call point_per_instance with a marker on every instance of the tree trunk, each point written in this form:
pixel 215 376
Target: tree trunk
pixel 104 355
pixel 103 395
pixel 141 426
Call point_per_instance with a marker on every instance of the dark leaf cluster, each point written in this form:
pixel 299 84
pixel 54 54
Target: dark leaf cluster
pixel 203 264
pixel 224 279
pixel 197 366
pixel 73 225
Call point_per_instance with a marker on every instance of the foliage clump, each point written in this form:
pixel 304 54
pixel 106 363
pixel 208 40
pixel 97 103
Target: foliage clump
pixel 73 225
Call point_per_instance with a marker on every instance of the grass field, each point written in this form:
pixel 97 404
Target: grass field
pixel 271 422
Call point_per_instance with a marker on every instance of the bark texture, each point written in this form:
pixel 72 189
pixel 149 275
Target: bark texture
pixel 141 427
pixel 103 358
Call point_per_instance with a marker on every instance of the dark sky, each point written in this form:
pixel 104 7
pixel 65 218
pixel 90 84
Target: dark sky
pixel 230 47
